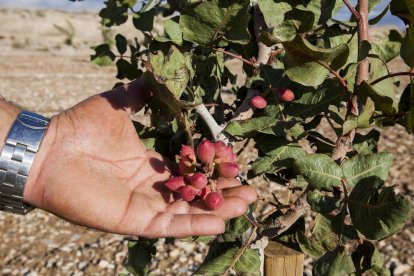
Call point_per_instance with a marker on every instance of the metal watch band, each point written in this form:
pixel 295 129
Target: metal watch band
pixel 16 159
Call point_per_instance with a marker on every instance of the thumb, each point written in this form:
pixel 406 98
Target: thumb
pixel 130 97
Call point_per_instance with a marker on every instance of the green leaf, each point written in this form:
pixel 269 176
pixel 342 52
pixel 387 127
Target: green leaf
pixel 168 79
pixel 103 55
pixel 285 25
pixel 377 214
pixel 362 166
pixel 319 170
pixel 248 263
pixel 407 47
pixel 361 121
pixel 278 155
pixel 171 70
pixel 144 21
pixel 324 235
pixel 333 263
pixel 383 99
pixel 376 19
pixel 121 43
pixel 367 257
pixel 322 203
pixel 127 70
pixel 323 9
pixel 302 58
pixel 281 30
pixel 149 5
pixel 366 144
pixel 140 253
pixel 309 246
pixel 404 9
pixel 264 124
pixel 406 105
pixel 216 22
pixel 234 229
pixel 388 48
pixel 313 101
pixel 115 12
pixel 172 32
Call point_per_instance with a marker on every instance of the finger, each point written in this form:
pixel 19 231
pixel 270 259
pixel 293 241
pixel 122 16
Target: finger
pixel 184 225
pixel 223 182
pixel 130 97
pixel 247 193
pixel 232 207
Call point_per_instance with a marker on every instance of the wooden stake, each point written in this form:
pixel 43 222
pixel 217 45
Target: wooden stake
pixel 282 261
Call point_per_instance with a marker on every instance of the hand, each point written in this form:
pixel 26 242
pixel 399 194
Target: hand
pixel 93 170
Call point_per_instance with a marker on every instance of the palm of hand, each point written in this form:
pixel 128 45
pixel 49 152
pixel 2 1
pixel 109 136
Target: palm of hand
pixel 98 174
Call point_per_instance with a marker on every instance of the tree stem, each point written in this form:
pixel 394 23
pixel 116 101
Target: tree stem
pixel 336 74
pixel 235 56
pixel 391 76
pixel 363 35
pixel 354 12
pixel 215 129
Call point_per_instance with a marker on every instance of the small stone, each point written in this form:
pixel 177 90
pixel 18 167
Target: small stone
pixel 163 264
pixel 401 269
pixel 103 264
pixel 83 265
pixel 198 258
pixel 188 247
pixel 174 254
pixel 120 257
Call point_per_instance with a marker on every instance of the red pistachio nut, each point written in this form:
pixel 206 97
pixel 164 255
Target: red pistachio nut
pixel 258 102
pixel 285 94
pixel 224 153
pixel 175 183
pixel 199 180
pixel 214 200
pixel 228 169
pixel 206 152
pixel 188 192
pixel 187 153
pixel 204 192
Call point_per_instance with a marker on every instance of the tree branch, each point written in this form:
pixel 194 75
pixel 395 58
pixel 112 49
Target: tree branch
pixel 235 56
pixel 391 76
pixel 259 25
pixel 215 129
pixel 363 35
pixel 284 222
pixel 354 12
pixel 344 143
pixel 244 111
pixel 336 74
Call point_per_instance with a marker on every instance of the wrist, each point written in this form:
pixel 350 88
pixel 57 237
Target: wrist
pixel 8 114
pixel 34 189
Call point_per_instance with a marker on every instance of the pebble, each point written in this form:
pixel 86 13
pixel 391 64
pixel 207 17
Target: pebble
pixel 103 264
pixel 174 254
pixel 402 268
pixel 83 265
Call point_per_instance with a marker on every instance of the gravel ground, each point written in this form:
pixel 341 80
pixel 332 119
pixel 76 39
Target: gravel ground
pixel 46 77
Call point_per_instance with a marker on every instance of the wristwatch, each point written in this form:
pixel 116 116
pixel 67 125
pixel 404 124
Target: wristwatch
pixel 16 159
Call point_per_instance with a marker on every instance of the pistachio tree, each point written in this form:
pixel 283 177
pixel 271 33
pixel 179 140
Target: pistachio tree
pixel 303 68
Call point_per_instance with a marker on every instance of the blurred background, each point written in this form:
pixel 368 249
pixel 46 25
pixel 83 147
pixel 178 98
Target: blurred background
pixel 45 67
